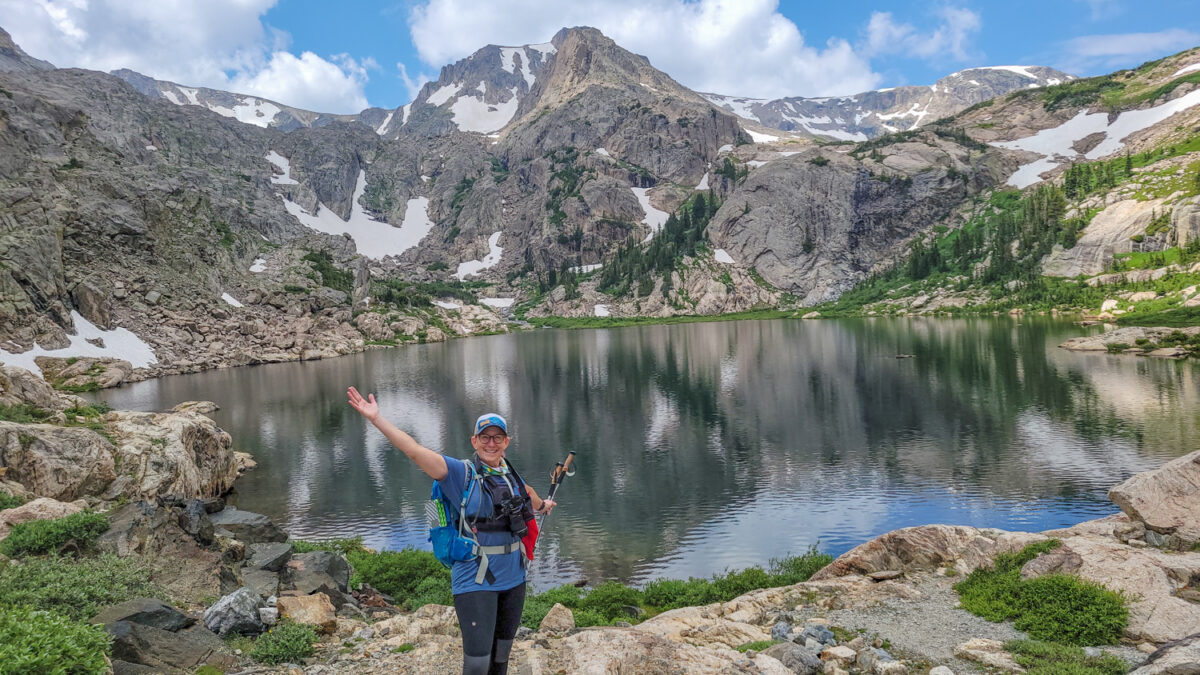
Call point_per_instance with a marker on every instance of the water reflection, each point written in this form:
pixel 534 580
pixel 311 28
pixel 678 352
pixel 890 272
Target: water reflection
pixel 706 446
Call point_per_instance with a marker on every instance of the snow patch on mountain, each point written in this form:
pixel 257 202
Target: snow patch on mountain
pixel 372 238
pixel 230 300
pixel 474 267
pixel 1185 70
pixel 654 218
pixel 761 138
pixel 1020 70
pixel 742 107
pixel 387 120
pixel 1056 143
pixel 721 256
pixel 472 114
pixel 119 343
pixel 443 94
pixel 285 166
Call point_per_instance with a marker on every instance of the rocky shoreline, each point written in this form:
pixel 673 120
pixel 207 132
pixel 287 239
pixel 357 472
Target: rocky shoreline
pixel 886 607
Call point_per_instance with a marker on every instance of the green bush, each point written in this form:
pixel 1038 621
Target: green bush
pixel 1067 609
pixel 537 606
pixel 8 501
pixel 1057 608
pixel 47 536
pixel 610 599
pixel 287 642
pixel 74 588
pixel 34 642
pixel 24 413
pixel 756 646
pixel 1047 658
pixel 413 578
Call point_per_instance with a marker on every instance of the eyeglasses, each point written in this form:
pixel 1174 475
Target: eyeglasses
pixel 491 438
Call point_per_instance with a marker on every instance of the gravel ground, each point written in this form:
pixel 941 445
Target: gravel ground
pixel 930 627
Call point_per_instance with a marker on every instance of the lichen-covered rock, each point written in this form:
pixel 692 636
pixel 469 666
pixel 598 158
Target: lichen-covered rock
pixel 990 653
pixel 65 463
pixel 235 613
pixel 84 372
pixel 178 453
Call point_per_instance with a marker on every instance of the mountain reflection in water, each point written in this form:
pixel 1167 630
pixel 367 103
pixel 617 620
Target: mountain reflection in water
pixel 709 446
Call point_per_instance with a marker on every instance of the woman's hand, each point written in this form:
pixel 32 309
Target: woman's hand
pixel 547 505
pixel 367 407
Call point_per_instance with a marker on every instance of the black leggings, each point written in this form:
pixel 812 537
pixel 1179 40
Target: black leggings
pixel 489 622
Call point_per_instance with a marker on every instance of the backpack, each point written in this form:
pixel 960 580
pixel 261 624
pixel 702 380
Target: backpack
pixel 453 541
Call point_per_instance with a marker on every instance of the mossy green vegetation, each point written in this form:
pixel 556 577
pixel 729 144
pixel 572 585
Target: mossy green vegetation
pixel 611 602
pixel 757 646
pixel 1050 658
pixel 75 588
pixel 1172 318
pixel 8 501
pixel 412 578
pixel 285 642
pixel 330 275
pixel 24 413
pixel 35 641
pixel 1055 608
pixel 420 294
pixel 38 537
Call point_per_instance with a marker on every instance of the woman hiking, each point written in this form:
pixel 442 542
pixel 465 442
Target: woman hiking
pixel 489 591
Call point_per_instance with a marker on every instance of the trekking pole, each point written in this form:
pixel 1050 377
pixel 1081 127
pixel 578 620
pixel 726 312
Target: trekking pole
pixel 561 470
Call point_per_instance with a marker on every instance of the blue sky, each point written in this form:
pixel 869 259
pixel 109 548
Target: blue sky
pixel 340 58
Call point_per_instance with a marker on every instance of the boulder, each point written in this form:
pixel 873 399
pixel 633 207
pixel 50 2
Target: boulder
pixel 84 371
pixel 183 454
pixel 427 620
pixel 840 655
pixel 248 527
pixel 313 610
pixel 1181 657
pixel 144 611
pixel 307 572
pixel 263 582
pixel 66 463
pixel 795 658
pixel 559 619
pixel 926 548
pixel 18 386
pixel 166 651
pixel 195 521
pixel 42 508
pixel 272 556
pixel 1166 499
pixel 989 653
pixel 235 613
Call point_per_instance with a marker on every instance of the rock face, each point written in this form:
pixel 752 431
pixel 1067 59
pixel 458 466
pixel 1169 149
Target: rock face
pixel 164 651
pixel 925 548
pixel 1166 500
pixel 62 463
pixel 1181 657
pixel 313 610
pixel 235 613
pixel 178 453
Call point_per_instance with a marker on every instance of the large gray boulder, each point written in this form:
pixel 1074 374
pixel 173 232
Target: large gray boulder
pixel 166 651
pixel 272 556
pixel 308 572
pixel 247 526
pixel 796 658
pixel 144 611
pixel 1166 499
pixel 235 613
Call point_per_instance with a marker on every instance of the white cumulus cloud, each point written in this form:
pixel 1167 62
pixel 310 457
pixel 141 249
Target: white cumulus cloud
pixel 951 38
pixel 742 47
pixel 222 44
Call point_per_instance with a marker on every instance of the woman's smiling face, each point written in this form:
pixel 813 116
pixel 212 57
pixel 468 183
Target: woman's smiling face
pixel 490 445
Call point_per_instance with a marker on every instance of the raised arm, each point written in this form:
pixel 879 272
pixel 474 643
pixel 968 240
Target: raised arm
pixel 426 460
pixel 540 505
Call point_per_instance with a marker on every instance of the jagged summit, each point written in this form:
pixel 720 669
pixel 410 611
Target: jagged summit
pixel 14 59
pixel 873 113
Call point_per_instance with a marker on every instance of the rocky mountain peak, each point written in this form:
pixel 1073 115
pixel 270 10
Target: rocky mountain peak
pixel 14 59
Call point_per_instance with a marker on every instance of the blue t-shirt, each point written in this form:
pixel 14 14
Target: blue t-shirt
pixel 508 568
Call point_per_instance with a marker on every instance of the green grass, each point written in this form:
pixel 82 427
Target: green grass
pixel 8 501
pixel 331 275
pixel 1175 318
pixel 24 413
pixel 75 588
pixel 1048 658
pixel 33 642
pixel 756 646
pixel 38 537
pixel 606 603
pixel 1055 608
pixel 286 642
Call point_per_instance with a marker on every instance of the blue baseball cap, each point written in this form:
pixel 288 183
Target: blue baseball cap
pixel 490 420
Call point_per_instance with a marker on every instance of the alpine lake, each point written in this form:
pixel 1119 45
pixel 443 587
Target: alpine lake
pixel 710 446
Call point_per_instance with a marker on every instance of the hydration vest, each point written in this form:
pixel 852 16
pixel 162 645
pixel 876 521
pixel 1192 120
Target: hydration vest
pixel 452 531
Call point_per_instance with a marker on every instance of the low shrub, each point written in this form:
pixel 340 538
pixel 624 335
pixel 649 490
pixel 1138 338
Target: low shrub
pixel 413 578
pixel 75 588
pixel 34 641
pixel 1055 608
pixel 1048 658
pixel 287 642
pixel 756 646
pixel 609 600
pixel 37 537
pixel 8 501
pixel 537 606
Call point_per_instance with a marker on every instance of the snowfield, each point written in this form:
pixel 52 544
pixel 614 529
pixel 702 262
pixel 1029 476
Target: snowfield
pixel 474 267
pixel 723 257
pixel 119 343
pixel 230 300
pixel 472 114
pixel 654 219
pixel 285 166
pixel 1055 143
